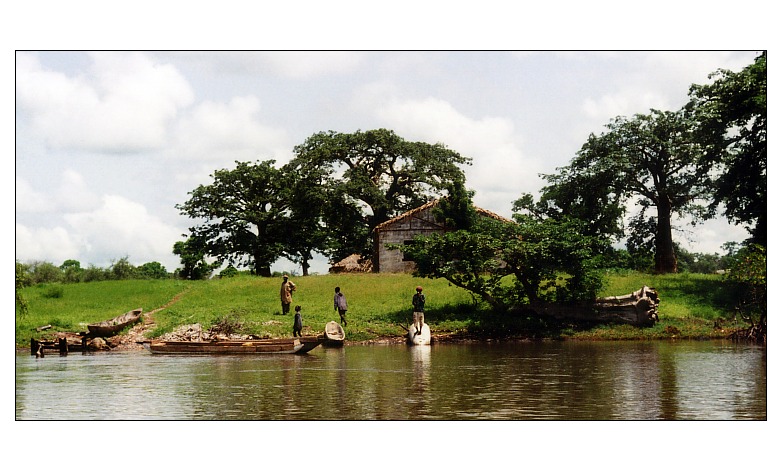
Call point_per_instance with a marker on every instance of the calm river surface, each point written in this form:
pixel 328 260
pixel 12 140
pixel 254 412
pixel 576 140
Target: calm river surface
pixel 486 381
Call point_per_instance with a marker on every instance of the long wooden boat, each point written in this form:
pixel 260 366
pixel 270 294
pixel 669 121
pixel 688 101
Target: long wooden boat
pixel 335 335
pixel 297 345
pixel 424 338
pixel 113 326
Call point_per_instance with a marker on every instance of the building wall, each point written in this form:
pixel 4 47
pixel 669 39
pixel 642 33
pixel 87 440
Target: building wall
pixel 397 232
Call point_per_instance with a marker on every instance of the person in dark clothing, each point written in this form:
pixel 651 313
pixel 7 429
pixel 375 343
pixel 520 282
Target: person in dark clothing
pixel 297 322
pixel 418 309
pixel 340 305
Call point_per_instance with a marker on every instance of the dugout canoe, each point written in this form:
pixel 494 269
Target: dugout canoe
pixel 113 326
pixel 335 335
pixel 424 338
pixel 298 345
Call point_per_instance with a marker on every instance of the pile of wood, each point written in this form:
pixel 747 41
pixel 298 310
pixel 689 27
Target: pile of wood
pixel 352 264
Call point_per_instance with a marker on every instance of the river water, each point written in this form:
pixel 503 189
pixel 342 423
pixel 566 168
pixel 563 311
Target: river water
pixel 684 380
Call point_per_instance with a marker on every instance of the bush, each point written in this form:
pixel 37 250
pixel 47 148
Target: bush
pixel 153 270
pixel 53 292
pixel 229 272
pixel 45 272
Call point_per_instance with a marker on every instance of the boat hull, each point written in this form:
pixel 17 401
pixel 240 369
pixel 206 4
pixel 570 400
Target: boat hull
pixel 424 338
pixel 114 326
pixel 296 345
pixel 334 335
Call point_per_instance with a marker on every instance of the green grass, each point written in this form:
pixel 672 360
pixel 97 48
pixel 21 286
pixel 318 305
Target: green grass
pixel 378 306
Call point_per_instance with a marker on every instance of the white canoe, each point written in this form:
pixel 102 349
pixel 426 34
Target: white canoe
pixel 424 338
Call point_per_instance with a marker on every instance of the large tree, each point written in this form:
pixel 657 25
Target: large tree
pixel 241 215
pixel 650 160
pixel 731 113
pixel 382 171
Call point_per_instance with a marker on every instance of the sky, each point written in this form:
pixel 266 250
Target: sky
pixel 107 143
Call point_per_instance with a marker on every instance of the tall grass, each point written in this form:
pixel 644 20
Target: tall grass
pixel 378 305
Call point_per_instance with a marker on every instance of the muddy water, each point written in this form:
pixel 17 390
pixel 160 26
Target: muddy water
pixel 496 381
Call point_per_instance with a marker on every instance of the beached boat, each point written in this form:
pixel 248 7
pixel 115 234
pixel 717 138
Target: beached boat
pixel 335 335
pixel 424 338
pixel 113 326
pixel 288 345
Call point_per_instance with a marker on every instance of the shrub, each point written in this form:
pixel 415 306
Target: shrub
pixel 54 292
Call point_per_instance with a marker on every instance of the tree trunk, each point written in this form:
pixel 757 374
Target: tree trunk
pixel 664 257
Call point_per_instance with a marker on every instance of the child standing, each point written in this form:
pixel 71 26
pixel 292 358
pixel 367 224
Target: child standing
pixel 297 322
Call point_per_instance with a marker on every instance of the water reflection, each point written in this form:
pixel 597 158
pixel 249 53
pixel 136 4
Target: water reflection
pixel 503 381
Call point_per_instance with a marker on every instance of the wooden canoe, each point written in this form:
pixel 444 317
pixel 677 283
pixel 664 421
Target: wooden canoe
pixel 297 345
pixel 113 326
pixel 424 338
pixel 335 335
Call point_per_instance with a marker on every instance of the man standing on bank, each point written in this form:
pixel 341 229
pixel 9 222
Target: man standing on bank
pixel 341 305
pixel 286 294
pixel 418 309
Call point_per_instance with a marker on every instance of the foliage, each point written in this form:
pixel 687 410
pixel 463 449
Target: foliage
pixel 456 211
pixel 53 291
pixel 153 270
pixel 241 215
pixel 192 255
pixel 72 271
pixel 305 230
pixel 381 170
pixel 122 269
pixel 749 274
pixel 45 272
pixel 229 271
pixel 652 158
pixel 513 265
pixel 731 114
pixel 22 280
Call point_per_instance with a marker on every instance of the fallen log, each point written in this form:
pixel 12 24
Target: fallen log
pixel 638 308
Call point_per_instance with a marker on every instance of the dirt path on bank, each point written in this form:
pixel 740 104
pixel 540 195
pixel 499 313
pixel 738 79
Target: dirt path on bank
pixel 137 333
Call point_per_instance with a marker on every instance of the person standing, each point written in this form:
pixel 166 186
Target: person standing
pixel 341 305
pixel 418 309
pixel 286 294
pixel 297 322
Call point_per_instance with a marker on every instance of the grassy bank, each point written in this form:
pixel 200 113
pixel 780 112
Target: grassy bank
pixel 379 305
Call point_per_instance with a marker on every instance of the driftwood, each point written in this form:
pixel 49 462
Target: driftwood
pixel 638 308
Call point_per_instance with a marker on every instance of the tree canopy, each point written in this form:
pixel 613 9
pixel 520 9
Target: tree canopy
pixel 381 170
pixel 241 215
pixel 731 116
pixel 650 159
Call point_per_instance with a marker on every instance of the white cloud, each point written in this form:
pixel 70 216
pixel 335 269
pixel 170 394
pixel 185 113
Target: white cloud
pixel 499 168
pixel 308 64
pixel 41 243
pixel 224 132
pixel 124 103
pixel 215 135
pixel 71 194
pixel 120 227
pixel 28 200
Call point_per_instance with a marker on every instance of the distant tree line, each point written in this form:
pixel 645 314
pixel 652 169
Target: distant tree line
pixel 71 271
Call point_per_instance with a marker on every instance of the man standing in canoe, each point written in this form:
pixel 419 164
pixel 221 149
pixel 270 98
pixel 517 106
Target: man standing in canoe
pixel 286 294
pixel 418 309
